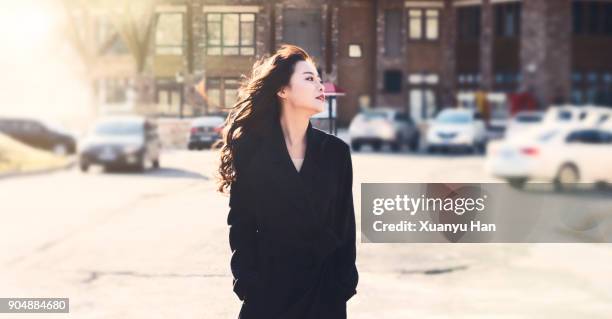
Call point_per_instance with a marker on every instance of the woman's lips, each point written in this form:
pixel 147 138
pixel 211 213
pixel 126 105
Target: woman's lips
pixel 321 98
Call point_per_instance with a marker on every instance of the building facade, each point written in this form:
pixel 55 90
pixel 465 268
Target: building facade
pixel 416 55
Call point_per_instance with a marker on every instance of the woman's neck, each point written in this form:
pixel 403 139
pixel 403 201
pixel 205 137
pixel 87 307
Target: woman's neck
pixel 294 131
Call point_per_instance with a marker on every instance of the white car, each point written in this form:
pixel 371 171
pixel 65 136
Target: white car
pixel 523 122
pixel 457 129
pixel 562 155
pixel 382 125
pixel 571 115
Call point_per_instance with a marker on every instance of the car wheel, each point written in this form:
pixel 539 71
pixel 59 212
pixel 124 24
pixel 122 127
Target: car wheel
pixel 431 149
pixel 414 144
pixel 602 186
pixel 517 183
pixel 567 177
pixel 482 147
pixel 474 149
pixel 84 167
pixel 156 163
pixel 395 146
pixel 190 147
pixel 142 164
pixel 356 146
pixel 377 145
pixel 60 149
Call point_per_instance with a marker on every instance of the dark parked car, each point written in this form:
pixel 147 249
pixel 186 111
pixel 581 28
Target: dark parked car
pixel 39 134
pixel 205 131
pixel 122 141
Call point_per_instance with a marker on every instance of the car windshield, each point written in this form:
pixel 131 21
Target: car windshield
pixel 119 128
pixel 208 121
pixel 564 116
pixel 454 118
pixel 529 118
pixel 374 115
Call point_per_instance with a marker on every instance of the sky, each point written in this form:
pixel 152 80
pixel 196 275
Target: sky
pixel 40 73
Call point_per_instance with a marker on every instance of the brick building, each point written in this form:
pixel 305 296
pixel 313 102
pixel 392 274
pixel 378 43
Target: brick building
pixel 418 55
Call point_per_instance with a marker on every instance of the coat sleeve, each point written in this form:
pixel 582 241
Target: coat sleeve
pixel 347 273
pixel 242 240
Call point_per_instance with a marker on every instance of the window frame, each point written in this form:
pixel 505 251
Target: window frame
pixel 221 46
pixel 170 46
pixel 387 32
pixel 423 20
pixel 590 18
pixel 222 83
pixel 464 30
pixel 501 12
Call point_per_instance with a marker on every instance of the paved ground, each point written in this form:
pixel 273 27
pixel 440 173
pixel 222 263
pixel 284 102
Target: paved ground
pixel 154 245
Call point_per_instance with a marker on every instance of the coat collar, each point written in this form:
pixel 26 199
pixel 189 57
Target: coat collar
pixel 298 184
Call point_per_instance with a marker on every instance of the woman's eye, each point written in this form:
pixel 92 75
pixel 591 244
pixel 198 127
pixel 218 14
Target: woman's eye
pixel 309 78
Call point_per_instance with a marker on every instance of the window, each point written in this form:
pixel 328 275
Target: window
pixel 592 87
pixel 221 92
pixel 415 24
pixel 578 17
pixel 426 78
pixel 113 90
pixel 393 81
pixel 593 23
pixel 432 24
pixel 107 37
pixel 393 35
pixel 507 78
pixel 585 136
pixel 423 24
pixel 213 93
pixel 468 23
pixel 304 28
pixel 230 91
pixel 403 117
pixel 422 95
pixel 354 50
pixel 592 18
pixel 468 78
pixel 230 33
pixel 508 19
pixel 608 19
pixel 169 33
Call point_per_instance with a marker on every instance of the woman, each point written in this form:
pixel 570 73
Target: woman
pixel 291 217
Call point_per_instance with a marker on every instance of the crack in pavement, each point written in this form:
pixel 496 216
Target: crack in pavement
pixel 433 271
pixel 95 275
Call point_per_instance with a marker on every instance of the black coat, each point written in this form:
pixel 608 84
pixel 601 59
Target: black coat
pixel 292 233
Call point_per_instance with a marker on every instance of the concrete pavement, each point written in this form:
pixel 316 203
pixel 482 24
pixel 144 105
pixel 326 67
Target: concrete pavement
pixel 154 245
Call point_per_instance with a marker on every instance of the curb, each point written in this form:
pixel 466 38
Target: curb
pixel 68 166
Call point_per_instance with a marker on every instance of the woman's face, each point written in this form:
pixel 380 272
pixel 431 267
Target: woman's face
pixel 305 89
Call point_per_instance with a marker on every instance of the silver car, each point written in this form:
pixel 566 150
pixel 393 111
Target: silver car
pixel 383 126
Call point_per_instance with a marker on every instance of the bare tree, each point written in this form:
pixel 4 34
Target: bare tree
pixel 133 22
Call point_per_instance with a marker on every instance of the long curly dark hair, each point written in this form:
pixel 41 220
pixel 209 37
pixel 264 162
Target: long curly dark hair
pixel 257 106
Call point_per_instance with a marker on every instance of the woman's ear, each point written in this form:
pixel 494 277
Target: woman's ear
pixel 282 93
